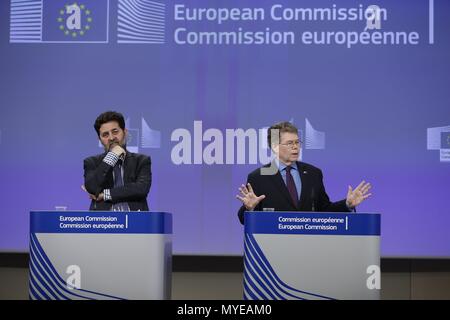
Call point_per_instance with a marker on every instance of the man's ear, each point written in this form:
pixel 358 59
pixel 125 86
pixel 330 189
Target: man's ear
pixel 125 132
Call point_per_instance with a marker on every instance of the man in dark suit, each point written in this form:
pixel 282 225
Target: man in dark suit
pixel 290 185
pixel 116 180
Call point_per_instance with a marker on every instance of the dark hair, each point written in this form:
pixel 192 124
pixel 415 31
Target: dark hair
pixel 282 127
pixel 107 117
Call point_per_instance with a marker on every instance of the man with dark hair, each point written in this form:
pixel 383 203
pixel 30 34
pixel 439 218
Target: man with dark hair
pixel 287 184
pixel 117 179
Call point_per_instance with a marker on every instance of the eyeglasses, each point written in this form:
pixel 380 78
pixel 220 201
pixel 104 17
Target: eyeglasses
pixel 291 144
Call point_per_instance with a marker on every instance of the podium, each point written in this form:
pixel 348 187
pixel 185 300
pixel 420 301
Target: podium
pixel 99 255
pixel 311 255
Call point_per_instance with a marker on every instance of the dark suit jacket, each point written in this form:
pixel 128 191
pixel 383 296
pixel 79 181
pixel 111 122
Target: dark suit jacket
pixel 312 198
pixel 137 178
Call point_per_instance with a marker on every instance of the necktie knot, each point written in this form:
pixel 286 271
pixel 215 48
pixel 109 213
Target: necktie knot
pixel 288 169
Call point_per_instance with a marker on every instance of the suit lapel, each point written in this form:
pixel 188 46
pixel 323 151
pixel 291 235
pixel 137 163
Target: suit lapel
pixel 306 186
pixel 127 165
pixel 109 180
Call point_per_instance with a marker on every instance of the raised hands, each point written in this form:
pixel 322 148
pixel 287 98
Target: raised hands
pixel 248 197
pixel 355 197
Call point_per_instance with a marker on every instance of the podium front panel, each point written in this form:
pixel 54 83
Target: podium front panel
pixel 100 255
pixel 291 255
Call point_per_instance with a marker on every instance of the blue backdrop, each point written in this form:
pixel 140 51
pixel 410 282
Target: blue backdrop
pixel 370 105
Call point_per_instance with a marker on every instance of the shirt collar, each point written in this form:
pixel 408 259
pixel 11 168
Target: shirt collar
pixel 281 166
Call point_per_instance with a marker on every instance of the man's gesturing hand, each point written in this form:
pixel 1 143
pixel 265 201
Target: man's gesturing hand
pixel 355 197
pixel 248 197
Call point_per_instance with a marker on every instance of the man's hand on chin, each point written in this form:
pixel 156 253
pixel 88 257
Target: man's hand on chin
pixel 117 149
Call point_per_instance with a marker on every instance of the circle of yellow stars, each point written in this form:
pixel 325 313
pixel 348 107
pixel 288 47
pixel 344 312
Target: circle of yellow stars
pixel 84 11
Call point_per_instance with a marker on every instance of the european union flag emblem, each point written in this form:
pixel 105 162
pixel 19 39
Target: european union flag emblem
pixel 77 21
pixel 58 21
pixel 445 140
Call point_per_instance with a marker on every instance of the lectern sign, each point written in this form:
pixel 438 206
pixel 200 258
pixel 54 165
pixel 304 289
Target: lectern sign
pixel 100 255
pixel 311 255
